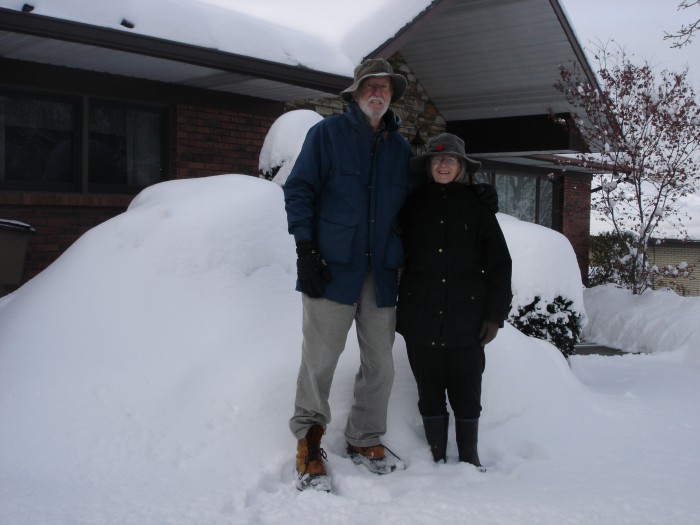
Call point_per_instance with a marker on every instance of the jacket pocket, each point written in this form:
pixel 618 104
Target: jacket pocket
pixel 410 313
pixel 469 313
pixel 336 239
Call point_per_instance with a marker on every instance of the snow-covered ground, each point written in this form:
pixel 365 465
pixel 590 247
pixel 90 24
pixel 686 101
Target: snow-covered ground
pixel 147 376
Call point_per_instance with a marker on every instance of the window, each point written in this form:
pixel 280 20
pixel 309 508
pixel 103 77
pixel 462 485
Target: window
pixel 545 203
pixel 517 196
pixel 525 196
pixel 37 142
pixel 42 145
pixel 125 145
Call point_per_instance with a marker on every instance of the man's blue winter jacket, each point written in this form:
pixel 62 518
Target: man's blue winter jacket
pixel 345 192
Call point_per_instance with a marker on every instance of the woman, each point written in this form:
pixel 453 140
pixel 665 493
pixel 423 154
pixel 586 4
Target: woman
pixel 454 294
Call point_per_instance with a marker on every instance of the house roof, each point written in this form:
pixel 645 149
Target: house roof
pixel 481 59
pixel 476 59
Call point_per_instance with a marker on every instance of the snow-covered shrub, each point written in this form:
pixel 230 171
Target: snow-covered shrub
pixel 547 288
pixel 269 174
pixel 608 260
pixel 283 143
pixel 612 263
pixel 555 322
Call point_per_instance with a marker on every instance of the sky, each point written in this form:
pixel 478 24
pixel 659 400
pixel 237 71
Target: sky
pixel 638 27
pixel 147 377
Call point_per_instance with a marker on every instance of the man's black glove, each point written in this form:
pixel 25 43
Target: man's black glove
pixel 312 270
pixel 488 196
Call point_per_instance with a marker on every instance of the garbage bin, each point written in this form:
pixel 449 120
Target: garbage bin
pixel 13 250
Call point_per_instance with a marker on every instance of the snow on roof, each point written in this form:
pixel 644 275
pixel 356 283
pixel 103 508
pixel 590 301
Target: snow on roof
pixel 316 34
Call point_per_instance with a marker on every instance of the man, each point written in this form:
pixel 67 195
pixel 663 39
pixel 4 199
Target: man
pixel 342 200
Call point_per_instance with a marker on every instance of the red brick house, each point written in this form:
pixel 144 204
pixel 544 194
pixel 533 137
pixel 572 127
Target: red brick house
pixel 90 115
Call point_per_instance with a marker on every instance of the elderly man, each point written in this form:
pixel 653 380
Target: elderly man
pixel 342 199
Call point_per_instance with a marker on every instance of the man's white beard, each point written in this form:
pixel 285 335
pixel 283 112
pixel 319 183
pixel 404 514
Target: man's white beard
pixel 370 112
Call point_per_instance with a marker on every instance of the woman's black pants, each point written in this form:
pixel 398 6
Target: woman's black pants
pixel 453 371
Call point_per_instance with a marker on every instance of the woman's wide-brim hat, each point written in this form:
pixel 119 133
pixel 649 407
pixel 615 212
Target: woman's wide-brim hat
pixel 376 67
pixel 444 144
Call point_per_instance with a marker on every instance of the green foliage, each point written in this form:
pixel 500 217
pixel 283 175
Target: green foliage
pixel 269 175
pixel 554 322
pixel 610 261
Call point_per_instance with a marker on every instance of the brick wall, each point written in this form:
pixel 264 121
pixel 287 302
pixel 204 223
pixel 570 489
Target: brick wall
pixel 576 202
pixel 204 141
pixel 672 253
pixel 58 221
pixel 213 141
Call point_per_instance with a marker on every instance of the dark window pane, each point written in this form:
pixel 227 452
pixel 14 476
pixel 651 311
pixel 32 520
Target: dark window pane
pixel 482 177
pixel 546 202
pixel 516 195
pixel 125 146
pixel 37 140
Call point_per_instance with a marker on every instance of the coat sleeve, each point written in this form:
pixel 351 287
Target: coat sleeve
pixel 304 184
pixel 497 271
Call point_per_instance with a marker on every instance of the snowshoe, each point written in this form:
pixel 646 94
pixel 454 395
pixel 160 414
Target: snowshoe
pixel 317 482
pixel 377 459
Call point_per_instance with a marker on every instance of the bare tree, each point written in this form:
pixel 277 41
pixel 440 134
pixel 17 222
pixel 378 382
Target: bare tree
pixel 646 128
pixel 685 34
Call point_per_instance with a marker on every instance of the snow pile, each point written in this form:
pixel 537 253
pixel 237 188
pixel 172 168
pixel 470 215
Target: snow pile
pixel 653 322
pixel 284 141
pixel 148 375
pixel 544 265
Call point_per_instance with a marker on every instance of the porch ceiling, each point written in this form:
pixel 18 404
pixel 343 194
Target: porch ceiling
pixel 481 59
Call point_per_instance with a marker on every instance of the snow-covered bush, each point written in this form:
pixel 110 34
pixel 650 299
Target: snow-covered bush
pixel 547 287
pixel 608 260
pixel 555 322
pixel 283 143
pixel 611 263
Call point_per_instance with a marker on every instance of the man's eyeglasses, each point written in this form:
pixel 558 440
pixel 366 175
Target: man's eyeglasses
pixel 449 161
pixel 371 88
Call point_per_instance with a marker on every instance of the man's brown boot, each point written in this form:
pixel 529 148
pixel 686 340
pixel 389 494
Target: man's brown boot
pixel 310 470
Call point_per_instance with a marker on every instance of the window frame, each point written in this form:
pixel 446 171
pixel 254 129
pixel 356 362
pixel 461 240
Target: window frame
pixel 490 173
pixel 81 182
pixel 32 185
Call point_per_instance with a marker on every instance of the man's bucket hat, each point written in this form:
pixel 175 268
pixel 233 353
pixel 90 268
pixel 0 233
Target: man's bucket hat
pixel 376 67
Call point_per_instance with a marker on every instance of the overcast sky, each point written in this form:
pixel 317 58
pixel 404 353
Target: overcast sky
pixel 638 26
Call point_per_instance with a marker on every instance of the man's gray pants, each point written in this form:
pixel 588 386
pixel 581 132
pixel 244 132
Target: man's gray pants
pixel 325 329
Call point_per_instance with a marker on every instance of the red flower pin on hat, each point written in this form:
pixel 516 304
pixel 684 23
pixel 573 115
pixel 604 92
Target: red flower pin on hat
pixel 439 147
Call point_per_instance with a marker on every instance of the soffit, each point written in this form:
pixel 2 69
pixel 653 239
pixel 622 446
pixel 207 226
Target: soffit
pixel 482 59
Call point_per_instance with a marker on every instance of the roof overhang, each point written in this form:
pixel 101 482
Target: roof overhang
pixel 46 40
pixel 480 59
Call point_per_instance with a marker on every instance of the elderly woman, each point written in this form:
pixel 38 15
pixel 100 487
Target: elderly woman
pixel 454 294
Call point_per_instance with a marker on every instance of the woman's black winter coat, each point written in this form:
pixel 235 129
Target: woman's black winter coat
pixel 458 268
